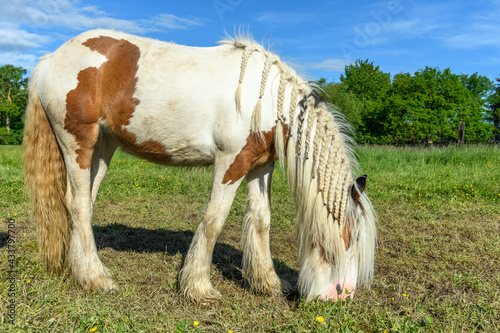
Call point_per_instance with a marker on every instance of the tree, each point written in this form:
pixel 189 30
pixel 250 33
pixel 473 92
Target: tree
pixel 429 105
pixel 494 110
pixel 398 110
pixel 12 93
pixel 426 106
pixel 368 85
pixel 366 80
pixel 359 96
pixel 479 85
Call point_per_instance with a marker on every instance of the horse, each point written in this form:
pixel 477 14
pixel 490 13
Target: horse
pixel 235 106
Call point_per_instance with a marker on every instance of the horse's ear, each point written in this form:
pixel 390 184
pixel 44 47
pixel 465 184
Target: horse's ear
pixel 361 182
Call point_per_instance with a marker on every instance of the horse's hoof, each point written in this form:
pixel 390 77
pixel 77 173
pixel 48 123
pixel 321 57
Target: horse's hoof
pixel 205 298
pixel 103 284
pixel 112 290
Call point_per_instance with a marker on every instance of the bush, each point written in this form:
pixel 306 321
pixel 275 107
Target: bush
pixel 14 137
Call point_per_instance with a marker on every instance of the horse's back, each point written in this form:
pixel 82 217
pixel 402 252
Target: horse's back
pixel 161 101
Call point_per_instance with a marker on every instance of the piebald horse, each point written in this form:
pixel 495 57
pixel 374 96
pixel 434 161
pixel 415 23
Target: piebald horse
pixel 235 106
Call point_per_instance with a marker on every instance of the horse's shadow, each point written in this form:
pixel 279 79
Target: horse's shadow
pixel 3 239
pixel 227 259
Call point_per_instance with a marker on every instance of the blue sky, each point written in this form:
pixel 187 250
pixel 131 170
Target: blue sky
pixel 317 37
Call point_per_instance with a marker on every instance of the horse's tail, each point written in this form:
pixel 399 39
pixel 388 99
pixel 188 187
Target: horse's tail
pixel 45 181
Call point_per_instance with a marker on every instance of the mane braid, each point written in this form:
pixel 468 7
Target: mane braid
pixel 333 184
pixel 256 115
pixel 323 158
pixel 244 62
pixel 345 197
pixel 293 106
pixel 333 178
pixel 281 95
pixel 311 121
pixel 279 140
pixel 301 117
pixel 291 152
pixel 339 193
pixel 318 140
pixel 328 171
pixel 308 185
pixel 304 118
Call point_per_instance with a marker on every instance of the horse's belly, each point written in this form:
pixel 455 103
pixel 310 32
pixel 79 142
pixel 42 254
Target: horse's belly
pixel 165 142
pixel 181 155
pixel 187 155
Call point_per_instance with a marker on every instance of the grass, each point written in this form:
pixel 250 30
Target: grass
pixel 437 264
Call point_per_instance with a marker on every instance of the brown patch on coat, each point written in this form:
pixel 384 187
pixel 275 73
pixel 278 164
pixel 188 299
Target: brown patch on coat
pixel 106 93
pixel 258 151
pixel 346 234
pixel 82 115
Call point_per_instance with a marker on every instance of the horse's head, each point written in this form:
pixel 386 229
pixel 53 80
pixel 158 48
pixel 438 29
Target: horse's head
pixel 343 256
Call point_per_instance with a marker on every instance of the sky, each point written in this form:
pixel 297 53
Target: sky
pixel 318 38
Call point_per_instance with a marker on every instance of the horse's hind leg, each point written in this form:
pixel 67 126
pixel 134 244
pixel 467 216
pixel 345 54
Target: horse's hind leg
pixel 84 262
pixel 258 268
pixel 103 152
pixel 194 278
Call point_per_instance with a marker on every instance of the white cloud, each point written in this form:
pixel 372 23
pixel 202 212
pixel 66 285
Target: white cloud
pixel 413 27
pixel 13 39
pixel 331 65
pixel 173 22
pixel 482 30
pixel 41 15
pixel 79 21
pixel 287 17
pixel 27 61
pixel 28 25
pixel 474 39
pixel 457 25
pixel 94 10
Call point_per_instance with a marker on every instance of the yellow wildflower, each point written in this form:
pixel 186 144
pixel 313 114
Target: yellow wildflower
pixel 196 323
pixel 320 319
pixel 93 329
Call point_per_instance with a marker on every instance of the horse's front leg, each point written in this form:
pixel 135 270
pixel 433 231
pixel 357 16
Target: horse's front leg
pixel 194 277
pixel 258 268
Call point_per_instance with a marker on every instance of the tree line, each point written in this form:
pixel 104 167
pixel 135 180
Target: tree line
pixel 13 100
pixel 419 108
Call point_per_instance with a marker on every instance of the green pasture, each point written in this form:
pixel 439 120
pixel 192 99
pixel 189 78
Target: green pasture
pixel 437 264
